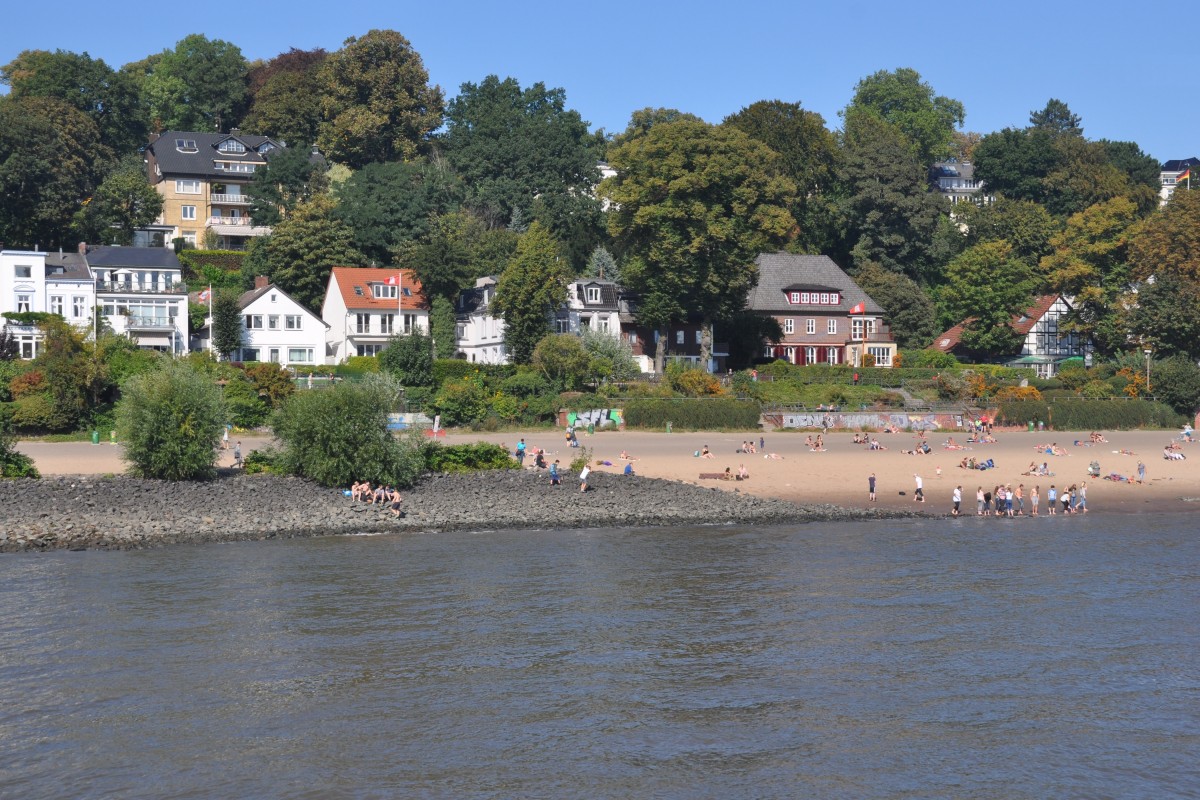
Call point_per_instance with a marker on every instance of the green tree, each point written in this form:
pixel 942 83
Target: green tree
pixel 601 264
pixel 611 357
pixel 1025 225
pixel 376 101
pixel 1177 383
pixel 1056 119
pixel 512 145
pixel 891 214
pixel 51 158
pixel 1015 162
pixel 170 421
pixel 808 153
pixel 444 327
pixel 340 436
pixel 387 204
pixel 285 97
pixel 532 285
pixel 1168 242
pixel 290 177
pixel 123 202
pixel 198 86
pixel 911 314
pixel 562 358
pixel 13 463
pixel 693 207
pixel 305 247
pixel 226 323
pixel 409 359
pixel 985 289
pixel 455 250
pixel 63 360
pixel 109 98
pixel 642 120
pixel 900 98
pixel 1090 264
pixel 1164 318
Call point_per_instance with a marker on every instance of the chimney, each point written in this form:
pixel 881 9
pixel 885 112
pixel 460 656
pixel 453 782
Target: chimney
pixel 154 137
pixel 235 132
pixel 261 282
pixel 83 248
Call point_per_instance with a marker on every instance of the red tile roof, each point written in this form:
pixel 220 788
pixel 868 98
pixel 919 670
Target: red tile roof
pixel 1022 324
pixel 350 278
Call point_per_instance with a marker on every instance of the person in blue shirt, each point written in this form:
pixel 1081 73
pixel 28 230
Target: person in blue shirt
pixel 628 469
pixel 554 479
pixel 521 452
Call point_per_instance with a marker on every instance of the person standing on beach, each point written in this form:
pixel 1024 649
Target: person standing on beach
pixel 1020 499
pixel 1141 472
pixel 1051 499
pixel 919 494
pixel 237 455
pixel 979 502
pixel 1081 503
pixel 957 499
pixel 225 438
pixel 521 452
pixel 554 479
pixel 583 476
pixel 871 487
pixel 1033 501
pixel 1067 499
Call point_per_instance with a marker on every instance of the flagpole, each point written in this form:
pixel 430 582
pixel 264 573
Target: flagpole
pixel 210 318
pixel 400 297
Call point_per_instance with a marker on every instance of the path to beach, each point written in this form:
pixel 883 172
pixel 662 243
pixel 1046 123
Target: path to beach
pixel 838 475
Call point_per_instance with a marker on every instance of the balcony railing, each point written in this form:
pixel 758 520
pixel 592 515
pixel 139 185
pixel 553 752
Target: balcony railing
pixel 229 199
pixel 142 322
pixel 170 287
pixel 229 221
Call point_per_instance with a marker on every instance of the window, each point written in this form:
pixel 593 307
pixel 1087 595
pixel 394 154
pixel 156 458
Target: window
pixel 381 291
pixel 824 298
pixel 858 328
pixel 186 145
pixel 810 326
pixel 883 356
pixel 231 146
pixel 56 304
pixel 274 297
pixel 810 355
pixel 24 303
pixel 249 354
pixel 254 323
pixel 410 322
pixel 789 326
pixel 790 354
pixel 188 212
pixel 831 355
pixel 604 324
pixel 300 355
pixel 833 298
pixel 291 322
pixel 24 272
pixel 804 297
pixel 273 322
pixel 187 187
pixel 190 237
pixel 679 337
pixel 370 349
pixel 562 326
pixel 633 337
pixel 831 326
pixel 233 166
pixel 387 323
pixel 78 306
pixel 362 324
pixel 593 294
pixel 794 297
pixel 29 345
pixel 460 332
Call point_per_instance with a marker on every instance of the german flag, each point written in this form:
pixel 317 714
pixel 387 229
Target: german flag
pixel 1183 176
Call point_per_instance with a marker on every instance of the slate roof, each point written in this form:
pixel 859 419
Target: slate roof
pixel 778 272
pixel 201 163
pixel 73 266
pixel 353 283
pixel 1022 323
pixel 1180 164
pixel 608 293
pixel 954 169
pixel 111 256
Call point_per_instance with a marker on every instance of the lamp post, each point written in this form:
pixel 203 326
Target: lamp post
pixel 1147 351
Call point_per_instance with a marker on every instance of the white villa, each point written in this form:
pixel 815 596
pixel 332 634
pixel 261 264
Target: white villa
pixel 277 328
pixel 365 306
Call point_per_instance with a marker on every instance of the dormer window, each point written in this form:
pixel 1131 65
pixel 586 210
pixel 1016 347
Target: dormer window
pixel 266 147
pixel 593 294
pixel 232 146
pixel 186 145
pixel 794 298
pixel 381 291
pixel 358 291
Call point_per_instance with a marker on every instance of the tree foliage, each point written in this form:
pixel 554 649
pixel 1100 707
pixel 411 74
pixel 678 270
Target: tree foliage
pixel 376 101
pixel 444 328
pixel 285 97
pixel 409 359
pixel 987 305
pixel 562 358
pixel 304 248
pixel 226 323
pixel 198 86
pixel 290 177
pixel 170 421
pixel 910 313
pixel 1168 242
pixel 900 98
pixel 123 202
pixel 531 286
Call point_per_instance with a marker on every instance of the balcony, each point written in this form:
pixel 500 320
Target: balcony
pixel 122 287
pixel 149 323
pixel 240 221
pixel 229 199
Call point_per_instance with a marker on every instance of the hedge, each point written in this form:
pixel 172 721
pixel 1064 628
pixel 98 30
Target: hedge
pixel 1089 415
pixel 445 369
pixel 692 414
pixel 194 261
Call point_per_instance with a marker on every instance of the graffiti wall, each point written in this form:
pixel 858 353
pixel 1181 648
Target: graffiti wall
pixel 865 420
pixel 600 417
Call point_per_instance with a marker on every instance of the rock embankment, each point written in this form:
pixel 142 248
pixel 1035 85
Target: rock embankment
pixel 85 512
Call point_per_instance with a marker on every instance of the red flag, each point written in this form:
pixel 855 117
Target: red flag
pixel 861 308
pixel 203 295
pixel 394 280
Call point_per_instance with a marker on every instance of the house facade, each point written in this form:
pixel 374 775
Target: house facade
pixel 825 317
pixel 32 281
pixel 956 181
pixel 278 329
pixel 141 294
pixel 364 307
pixel 202 178
pixel 1177 172
pixel 1044 348
pixel 479 336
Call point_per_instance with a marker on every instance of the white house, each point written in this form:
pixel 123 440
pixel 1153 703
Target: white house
pixel 142 294
pixel 366 306
pixel 32 281
pixel 592 304
pixel 1178 172
pixel 479 336
pixel 277 328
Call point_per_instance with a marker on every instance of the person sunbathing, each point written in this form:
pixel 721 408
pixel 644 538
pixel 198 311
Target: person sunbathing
pixel 742 473
pixel 775 456
pixel 706 453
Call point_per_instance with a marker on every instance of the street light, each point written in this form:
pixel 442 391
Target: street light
pixel 1147 351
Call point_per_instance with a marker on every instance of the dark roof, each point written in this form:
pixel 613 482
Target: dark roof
pixel 608 293
pixel 200 161
pixel 72 265
pixel 778 272
pixel 100 255
pixel 1180 164
pixel 953 169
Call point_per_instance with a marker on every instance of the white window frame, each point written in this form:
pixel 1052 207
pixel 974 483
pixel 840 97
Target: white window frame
pixel 187 212
pixel 794 298
pixel 23 271
pixel 292 322
pixel 362 323
pixel 387 324
pixel 789 326
pixel 188 186
pixel 273 322
pixel 24 302
pixel 831 326
pixel 254 322
pixel 833 299
pixel 593 294
pixel 300 355
pixel 382 291
pixel 883 356
pixel 824 298
pixel 804 298
pixel 679 337
pixel 810 326
pixel 56 304
pixel 231 146
pixel 831 355
pixel 78 306
pixel 810 355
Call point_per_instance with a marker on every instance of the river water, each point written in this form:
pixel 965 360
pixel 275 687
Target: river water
pixel 932 659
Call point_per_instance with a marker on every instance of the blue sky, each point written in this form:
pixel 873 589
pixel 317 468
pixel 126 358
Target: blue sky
pixel 1124 69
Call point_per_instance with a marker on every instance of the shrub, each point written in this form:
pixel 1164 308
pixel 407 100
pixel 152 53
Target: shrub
pixel 1086 415
pixel 246 408
pixel 467 457
pixel 462 401
pixel 27 383
pixel 927 359
pixel 1018 393
pixel 686 414
pixel 409 359
pixel 33 412
pixel 1098 390
pixel 693 382
pixel 340 436
pixel 358 365
pixel 445 369
pixel 259 461
pixel 13 464
pixel 170 422
pixel 272 382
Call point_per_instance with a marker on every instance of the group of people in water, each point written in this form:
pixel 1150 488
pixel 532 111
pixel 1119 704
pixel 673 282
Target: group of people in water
pixel 1005 501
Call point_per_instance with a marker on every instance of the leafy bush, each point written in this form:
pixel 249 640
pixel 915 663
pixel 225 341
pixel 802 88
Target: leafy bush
pixel 170 421
pixel 339 436
pixel 1098 390
pixel 1088 415
pixel 272 382
pixel 358 365
pixel 13 464
pixel 409 359
pixel 246 408
pixel 1018 393
pixel 259 461
pixel 927 359
pixel 1177 383
pixel 225 266
pixel 27 383
pixel 687 414
pixel 461 401
pixel 693 382
pixel 467 457
pixel 445 369
pixel 33 412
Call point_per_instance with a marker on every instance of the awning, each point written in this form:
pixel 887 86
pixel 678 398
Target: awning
pixel 151 339
pixel 240 230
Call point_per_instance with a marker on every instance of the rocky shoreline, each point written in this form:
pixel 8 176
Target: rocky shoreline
pixel 89 512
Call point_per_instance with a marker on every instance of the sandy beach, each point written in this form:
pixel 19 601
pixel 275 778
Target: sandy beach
pixel 838 475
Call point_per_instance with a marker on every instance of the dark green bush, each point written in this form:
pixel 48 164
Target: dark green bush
pixel 13 464
pixel 258 461
pixel 1089 415
pixel 445 369
pixel 467 457
pixel 692 414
